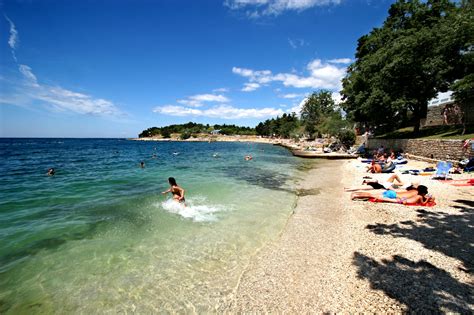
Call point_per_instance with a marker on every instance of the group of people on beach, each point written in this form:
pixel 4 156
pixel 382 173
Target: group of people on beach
pixel 392 190
pixel 383 161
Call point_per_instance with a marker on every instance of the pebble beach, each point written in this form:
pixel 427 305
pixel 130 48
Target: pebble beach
pixel 338 255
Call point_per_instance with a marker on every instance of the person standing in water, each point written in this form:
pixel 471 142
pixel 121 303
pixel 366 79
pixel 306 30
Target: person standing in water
pixel 177 191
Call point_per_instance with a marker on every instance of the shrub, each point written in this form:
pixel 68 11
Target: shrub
pixel 347 137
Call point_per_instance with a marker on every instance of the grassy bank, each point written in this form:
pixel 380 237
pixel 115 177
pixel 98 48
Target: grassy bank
pixel 435 132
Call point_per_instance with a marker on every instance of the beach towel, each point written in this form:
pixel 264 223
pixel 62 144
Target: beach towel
pixel 459 182
pixel 429 204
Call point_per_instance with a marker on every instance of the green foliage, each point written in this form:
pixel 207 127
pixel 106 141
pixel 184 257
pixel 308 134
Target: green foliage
pixel 347 137
pixel 165 133
pixel 315 109
pixel 185 135
pixel 432 132
pixel 400 66
pixel 332 124
pixel 282 126
pixel 194 128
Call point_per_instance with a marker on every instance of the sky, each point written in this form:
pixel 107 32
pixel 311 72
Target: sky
pixel 112 68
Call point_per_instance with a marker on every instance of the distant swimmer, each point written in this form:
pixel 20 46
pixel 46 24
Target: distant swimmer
pixel 216 155
pixel 175 153
pixel 51 172
pixel 248 157
pixel 154 156
pixel 142 164
pixel 178 192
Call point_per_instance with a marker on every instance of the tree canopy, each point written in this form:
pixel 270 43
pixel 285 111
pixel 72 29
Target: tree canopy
pixel 400 66
pixel 192 128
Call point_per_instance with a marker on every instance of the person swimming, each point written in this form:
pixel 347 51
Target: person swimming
pixel 177 191
pixel 51 172
pixel 248 157
pixel 142 164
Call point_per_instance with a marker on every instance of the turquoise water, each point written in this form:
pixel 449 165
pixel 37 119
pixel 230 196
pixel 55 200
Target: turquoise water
pixel 99 237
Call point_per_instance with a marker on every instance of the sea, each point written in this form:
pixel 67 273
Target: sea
pixel 99 237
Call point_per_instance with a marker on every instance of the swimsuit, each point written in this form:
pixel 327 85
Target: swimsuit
pixel 390 194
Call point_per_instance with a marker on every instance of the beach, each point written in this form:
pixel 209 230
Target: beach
pixel 338 255
pixel 273 235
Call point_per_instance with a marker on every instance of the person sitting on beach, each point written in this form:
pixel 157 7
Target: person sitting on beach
pixel 50 172
pixel 418 196
pixel 374 167
pixel 391 183
pixel 177 191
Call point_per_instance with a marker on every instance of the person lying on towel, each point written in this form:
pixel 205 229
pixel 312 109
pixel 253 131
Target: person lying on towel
pixel 419 196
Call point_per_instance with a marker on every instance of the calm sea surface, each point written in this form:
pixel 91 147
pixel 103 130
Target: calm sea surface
pixel 99 237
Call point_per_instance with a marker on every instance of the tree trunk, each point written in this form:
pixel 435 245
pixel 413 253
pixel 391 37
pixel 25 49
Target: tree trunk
pixel 416 129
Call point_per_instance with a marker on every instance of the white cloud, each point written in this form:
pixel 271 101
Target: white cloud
pixel 60 99
pixel 221 111
pixel 297 108
pixel 221 90
pixel 341 60
pixel 337 97
pixel 28 74
pixel 257 8
pixel 297 42
pixel 54 97
pixel 199 99
pixel 322 75
pixel 291 95
pixel 249 87
pixel 13 39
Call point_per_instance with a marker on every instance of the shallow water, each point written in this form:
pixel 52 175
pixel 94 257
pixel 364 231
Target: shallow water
pixel 99 237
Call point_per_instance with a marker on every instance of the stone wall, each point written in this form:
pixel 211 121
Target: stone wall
pixel 433 149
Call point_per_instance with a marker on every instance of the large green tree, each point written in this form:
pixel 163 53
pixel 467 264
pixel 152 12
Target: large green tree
pixel 463 89
pixel 400 66
pixel 315 109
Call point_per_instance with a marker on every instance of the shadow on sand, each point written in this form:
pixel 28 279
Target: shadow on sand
pixel 450 234
pixel 422 287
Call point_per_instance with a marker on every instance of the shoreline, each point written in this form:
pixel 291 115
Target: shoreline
pixel 338 255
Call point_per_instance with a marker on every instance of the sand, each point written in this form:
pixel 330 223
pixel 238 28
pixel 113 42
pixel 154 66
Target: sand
pixel 338 255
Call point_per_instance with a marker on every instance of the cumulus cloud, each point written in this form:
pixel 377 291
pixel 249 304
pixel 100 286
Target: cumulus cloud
pixel 257 8
pixel 220 111
pixel 322 75
pixel 199 99
pixel 249 87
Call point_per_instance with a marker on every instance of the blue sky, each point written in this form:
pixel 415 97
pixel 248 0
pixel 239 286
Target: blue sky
pixel 114 68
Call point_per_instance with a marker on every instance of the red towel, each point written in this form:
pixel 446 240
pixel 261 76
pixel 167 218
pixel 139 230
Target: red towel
pixel 429 204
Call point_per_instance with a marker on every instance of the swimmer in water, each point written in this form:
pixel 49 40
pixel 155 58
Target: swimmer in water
pixel 178 192
pixel 248 157
pixel 142 164
pixel 51 172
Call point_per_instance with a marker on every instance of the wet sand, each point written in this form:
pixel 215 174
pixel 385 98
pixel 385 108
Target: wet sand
pixel 338 255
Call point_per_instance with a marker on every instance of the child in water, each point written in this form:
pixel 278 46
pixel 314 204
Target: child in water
pixel 177 191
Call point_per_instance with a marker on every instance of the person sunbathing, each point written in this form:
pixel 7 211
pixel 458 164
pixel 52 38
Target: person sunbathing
pixel 391 183
pixel 374 167
pixel 418 196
